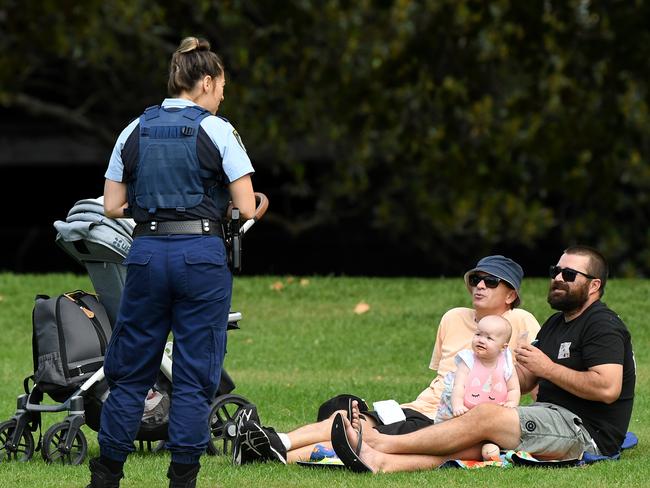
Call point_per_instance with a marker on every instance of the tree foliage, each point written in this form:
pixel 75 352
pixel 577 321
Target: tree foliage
pixel 461 126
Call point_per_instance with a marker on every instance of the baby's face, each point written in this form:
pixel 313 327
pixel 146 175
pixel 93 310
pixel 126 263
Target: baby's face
pixel 490 337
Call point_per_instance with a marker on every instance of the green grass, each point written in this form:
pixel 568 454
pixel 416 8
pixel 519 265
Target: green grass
pixel 301 345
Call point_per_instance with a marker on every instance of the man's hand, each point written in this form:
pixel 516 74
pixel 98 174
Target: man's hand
pixel 534 360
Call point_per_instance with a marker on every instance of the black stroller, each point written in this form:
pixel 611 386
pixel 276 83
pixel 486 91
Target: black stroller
pixel 100 244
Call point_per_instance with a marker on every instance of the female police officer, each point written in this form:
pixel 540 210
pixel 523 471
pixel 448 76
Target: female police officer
pixel 174 170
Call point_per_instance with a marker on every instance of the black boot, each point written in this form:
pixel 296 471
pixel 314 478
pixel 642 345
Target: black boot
pixel 187 480
pixel 102 477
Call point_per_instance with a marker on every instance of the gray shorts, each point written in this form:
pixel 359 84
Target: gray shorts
pixel 549 431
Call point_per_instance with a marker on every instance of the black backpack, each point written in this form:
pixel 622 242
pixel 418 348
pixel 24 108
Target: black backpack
pixel 70 336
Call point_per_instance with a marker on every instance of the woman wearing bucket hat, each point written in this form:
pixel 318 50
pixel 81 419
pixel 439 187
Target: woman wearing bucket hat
pixel 493 285
pixel 496 269
pixel 494 288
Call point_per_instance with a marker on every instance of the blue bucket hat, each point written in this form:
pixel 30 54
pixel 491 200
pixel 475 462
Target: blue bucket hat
pixel 501 267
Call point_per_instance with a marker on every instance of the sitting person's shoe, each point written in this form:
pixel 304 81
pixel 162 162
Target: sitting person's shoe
pixel 257 443
pixel 243 448
pixel 187 480
pixel 102 477
pixel 246 413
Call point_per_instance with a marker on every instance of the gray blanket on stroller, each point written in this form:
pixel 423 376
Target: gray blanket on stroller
pixel 86 222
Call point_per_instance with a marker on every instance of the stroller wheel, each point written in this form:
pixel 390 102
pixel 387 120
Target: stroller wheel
pixel 23 451
pixel 222 423
pixel 54 450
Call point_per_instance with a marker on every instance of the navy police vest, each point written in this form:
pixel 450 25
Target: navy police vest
pixel 168 175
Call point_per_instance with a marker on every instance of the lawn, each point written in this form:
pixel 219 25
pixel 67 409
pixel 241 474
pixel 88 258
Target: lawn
pixel 300 343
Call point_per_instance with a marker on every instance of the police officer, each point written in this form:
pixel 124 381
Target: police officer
pixel 174 170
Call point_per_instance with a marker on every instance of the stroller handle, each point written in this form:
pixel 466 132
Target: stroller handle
pixel 262 205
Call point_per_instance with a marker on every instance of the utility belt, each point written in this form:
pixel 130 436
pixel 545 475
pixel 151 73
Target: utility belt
pixel 178 227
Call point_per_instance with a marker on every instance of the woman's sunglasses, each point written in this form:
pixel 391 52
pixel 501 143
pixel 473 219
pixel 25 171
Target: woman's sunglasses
pixel 568 274
pixel 489 280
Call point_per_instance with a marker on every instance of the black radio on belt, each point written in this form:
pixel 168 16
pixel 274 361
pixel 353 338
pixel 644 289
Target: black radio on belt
pixel 233 241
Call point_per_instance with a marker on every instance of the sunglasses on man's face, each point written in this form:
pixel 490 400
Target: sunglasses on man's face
pixel 568 274
pixel 489 280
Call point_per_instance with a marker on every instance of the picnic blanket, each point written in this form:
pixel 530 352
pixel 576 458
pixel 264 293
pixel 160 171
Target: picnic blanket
pixel 322 456
pixel 522 458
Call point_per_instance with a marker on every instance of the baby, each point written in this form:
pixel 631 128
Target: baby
pixel 484 374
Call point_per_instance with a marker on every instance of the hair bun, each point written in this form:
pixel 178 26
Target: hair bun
pixel 190 44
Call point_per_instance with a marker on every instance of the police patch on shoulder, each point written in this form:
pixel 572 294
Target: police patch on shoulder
pixel 236 134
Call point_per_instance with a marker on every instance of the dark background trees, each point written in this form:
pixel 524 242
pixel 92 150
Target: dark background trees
pixel 392 137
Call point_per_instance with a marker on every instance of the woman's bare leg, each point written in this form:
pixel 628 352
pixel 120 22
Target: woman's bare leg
pixel 304 439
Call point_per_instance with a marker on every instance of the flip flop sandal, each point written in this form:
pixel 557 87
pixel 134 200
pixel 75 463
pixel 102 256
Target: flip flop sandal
pixel 344 450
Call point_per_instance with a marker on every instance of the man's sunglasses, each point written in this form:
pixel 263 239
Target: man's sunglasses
pixel 489 280
pixel 568 274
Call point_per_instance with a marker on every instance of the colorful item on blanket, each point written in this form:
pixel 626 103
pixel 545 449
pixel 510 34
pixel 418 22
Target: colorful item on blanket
pixel 509 459
pixel 326 461
pixel 323 457
pixel 321 452
pixel 469 464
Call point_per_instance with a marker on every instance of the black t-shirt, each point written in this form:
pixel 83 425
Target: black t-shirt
pixel 597 336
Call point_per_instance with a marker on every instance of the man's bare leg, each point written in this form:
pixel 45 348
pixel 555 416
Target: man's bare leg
pixel 485 422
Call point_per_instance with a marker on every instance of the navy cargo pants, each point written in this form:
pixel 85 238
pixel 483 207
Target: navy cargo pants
pixel 182 284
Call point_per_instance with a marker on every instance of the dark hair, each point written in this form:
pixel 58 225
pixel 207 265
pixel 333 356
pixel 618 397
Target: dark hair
pixel 597 263
pixel 339 402
pixel 190 62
